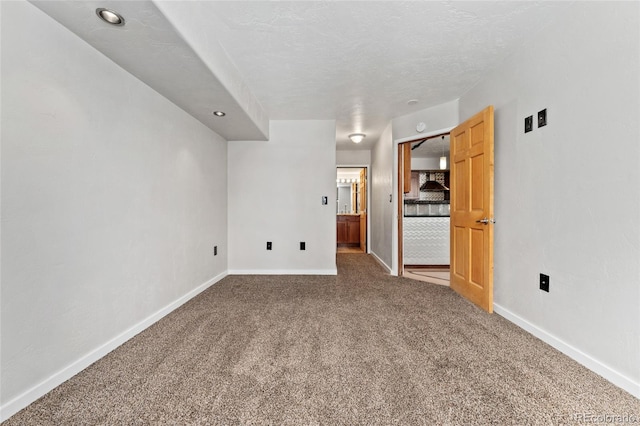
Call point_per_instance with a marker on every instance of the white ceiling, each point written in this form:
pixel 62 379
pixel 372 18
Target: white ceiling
pixel 355 62
pixel 431 148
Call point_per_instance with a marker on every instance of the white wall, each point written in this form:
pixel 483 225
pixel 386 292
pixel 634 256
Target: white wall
pixel 567 195
pixel 436 118
pixel 275 193
pixel 381 209
pixel 112 199
pixel 429 163
pixel 353 158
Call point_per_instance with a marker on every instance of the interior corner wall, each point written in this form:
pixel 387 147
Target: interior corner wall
pixel 381 208
pixel 275 195
pixel 112 200
pixel 567 194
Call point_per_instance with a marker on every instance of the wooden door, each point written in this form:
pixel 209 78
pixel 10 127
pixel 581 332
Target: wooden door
pixel 363 210
pixel 471 146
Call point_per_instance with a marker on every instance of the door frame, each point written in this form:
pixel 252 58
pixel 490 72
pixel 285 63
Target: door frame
pixel 398 201
pixel 368 189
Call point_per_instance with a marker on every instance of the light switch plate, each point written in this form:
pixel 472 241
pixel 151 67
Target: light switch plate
pixel 542 118
pixel 528 124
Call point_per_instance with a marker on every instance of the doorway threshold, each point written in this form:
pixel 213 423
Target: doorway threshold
pixel 433 276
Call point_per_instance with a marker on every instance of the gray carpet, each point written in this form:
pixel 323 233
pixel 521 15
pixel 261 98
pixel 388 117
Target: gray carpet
pixel 359 348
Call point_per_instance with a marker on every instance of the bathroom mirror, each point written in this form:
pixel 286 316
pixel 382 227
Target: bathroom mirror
pixel 348 190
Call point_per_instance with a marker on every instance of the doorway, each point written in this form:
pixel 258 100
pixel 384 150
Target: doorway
pixel 351 209
pixel 424 209
pixel 471 205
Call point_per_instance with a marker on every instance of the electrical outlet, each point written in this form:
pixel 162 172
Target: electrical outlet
pixel 325 200
pixel 528 124
pixel 268 245
pixel 215 250
pixel 544 282
pixel 542 118
pixel 303 245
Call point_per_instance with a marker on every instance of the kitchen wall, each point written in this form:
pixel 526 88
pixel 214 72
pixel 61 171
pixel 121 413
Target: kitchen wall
pixel 381 209
pixel 112 200
pixel 275 193
pixel 566 195
pixel 431 163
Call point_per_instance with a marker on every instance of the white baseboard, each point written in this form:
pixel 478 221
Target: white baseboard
pixel 31 395
pixel 381 262
pixel 283 272
pixel 591 363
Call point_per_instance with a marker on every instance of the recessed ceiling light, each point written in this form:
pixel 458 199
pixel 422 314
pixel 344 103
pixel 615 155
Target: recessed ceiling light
pixel 219 113
pixel 110 17
pixel 412 102
pixel 356 137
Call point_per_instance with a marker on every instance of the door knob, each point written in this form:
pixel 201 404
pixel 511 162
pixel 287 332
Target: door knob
pixel 486 221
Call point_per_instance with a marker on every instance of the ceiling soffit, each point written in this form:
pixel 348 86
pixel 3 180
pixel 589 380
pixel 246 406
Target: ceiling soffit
pixel 151 48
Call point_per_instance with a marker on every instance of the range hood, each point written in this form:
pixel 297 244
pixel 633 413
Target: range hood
pixel 432 185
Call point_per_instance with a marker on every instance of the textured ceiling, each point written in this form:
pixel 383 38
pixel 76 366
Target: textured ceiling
pixel 360 62
pixel 355 62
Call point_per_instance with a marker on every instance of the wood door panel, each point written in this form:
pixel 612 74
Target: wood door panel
pixel 477 134
pixel 459 247
pixel 458 143
pixel 477 250
pixel 477 183
pixel 460 196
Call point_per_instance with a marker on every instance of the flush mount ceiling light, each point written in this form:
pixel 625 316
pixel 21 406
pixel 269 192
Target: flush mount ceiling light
pixel 412 101
pixel 357 137
pixel 219 113
pixel 110 17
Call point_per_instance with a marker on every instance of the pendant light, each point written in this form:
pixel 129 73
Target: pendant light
pixel 443 159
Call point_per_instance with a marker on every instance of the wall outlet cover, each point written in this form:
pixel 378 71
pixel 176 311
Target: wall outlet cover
pixel 269 245
pixel 303 245
pixel 544 282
